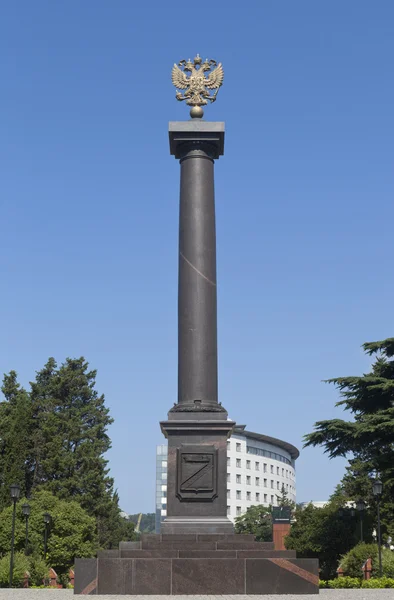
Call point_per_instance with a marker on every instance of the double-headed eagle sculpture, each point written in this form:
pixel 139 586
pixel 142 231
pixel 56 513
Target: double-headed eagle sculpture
pixel 191 76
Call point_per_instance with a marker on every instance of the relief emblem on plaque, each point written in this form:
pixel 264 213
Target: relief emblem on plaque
pixel 196 473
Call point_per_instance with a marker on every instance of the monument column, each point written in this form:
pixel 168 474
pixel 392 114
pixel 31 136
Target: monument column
pixel 197 427
pixel 197 320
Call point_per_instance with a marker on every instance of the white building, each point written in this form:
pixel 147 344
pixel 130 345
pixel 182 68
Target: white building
pixel 258 466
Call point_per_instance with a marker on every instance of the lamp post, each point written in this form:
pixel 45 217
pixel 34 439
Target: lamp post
pixel 26 514
pixel 47 520
pixel 360 505
pixel 377 489
pixel 15 493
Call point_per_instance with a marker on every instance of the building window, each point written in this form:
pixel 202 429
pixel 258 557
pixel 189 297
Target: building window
pixel 267 453
pixel 272 500
pixel 265 467
pixel 228 494
pixel 277 485
pixel 248 464
pixel 277 470
pixel 283 472
pixel 228 510
pixel 257 466
pixel 265 498
pixel 238 511
pixel 238 464
pixel 238 478
pixel 272 468
pixel 258 481
pixel 272 484
pixel 265 483
pixel 238 494
pixel 257 496
pixel 287 474
pixel 228 477
pixel 238 447
pixel 248 479
pixel 228 461
pixel 248 496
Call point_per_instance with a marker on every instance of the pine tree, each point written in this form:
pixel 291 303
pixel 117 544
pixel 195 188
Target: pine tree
pixel 71 435
pixel 55 438
pixel 368 440
pixel 283 499
pixel 15 438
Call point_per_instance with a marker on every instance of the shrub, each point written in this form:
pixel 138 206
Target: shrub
pixel 21 565
pixel 382 582
pixel 355 582
pixel 345 582
pixel 353 561
pixel 323 583
pixel 387 564
pixel 38 569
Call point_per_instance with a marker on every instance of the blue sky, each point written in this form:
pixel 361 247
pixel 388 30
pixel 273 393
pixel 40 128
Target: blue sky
pixel 89 207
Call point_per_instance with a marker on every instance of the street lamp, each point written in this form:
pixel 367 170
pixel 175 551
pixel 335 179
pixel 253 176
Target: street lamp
pixel 26 514
pixel 47 520
pixel 377 489
pixel 15 491
pixel 360 505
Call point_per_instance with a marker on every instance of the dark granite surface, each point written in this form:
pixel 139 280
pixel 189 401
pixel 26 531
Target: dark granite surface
pixel 196 564
pixel 85 572
pixel 282 577
pixel 110 575
pixel 148 580
pixel 208 576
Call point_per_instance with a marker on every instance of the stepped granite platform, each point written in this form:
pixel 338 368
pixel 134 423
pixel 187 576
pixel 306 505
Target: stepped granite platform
pixel 196 564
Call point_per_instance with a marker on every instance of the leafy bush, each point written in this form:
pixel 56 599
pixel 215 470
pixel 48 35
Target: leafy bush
pixel 38 570
pixel 353 561
pixel 344 582
pixel 21 565
pixel 355 582
pixel 382 582
pixel 387 564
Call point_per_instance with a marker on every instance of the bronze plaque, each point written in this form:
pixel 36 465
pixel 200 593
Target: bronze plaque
pixel 196 473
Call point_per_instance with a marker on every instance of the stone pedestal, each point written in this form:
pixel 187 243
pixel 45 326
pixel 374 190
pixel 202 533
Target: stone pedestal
pixel 197 476
pixel 196 564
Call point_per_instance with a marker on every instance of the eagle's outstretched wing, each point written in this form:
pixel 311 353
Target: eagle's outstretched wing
pixel 179 78
pixel 215 78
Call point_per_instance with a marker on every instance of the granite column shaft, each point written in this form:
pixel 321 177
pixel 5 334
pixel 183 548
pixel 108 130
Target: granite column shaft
pixel 197 303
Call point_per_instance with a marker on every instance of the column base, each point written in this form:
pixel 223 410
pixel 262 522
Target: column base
pixel 184 525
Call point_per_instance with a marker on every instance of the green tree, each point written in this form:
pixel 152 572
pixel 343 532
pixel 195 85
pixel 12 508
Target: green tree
pixel 54 437
pixel 324 533
pixel 114 528
pixel 15 438
pixel 71 438
pixel 72 532
pixel 283 499
pixel 367 440
pixel 258 521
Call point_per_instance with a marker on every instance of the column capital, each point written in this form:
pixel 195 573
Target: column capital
pixel 183 134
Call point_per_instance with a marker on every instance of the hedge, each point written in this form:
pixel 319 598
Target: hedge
pixel 355 582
